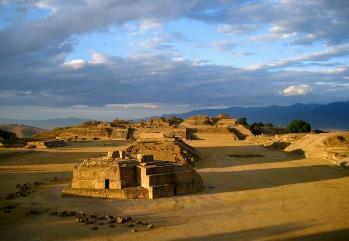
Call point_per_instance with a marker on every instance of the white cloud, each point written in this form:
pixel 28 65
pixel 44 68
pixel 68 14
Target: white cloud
pixel 75 63
pixel 149 24
pixel 296 90
pixel 327 54
pixel 223 45
pixel 133 105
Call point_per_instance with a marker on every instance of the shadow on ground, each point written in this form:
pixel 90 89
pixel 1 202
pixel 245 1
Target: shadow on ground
pixel 265 232
pixel 268 178
pixel 229 156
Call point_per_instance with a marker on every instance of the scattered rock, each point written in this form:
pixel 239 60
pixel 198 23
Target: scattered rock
pixel 72 213
pixel 344 164
pixel 63 214
pixel 150 226
pixel 53 213
pixel 88 221
pixel 121 220
pixel 10 207
pixel 34 212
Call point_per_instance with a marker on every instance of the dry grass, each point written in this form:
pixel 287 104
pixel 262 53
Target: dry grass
pixel 268 197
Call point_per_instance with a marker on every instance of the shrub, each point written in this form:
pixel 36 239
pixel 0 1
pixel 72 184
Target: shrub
pixel 174 120
pixel 256 128
pixel 298 126
pixel 119 123
pixel 242 121
pixel 7 136
pixel 90 123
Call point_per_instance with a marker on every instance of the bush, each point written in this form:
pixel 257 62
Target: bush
pixel 7 136
pixel 119 123
pixel 242 121
pixel 256 128
pixel 174 120
pixel 298 126
pixel 318 131
pixel 89 123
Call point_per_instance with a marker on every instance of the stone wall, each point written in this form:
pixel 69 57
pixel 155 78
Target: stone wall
pixel 151 135
pixel 94 178
pixel 167 132
pixel 94 133
pixel 126 193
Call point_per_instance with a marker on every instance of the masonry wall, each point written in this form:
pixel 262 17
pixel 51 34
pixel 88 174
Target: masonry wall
pixel 166 131
pixel 94 178
pixel 128 176
pixel 128 193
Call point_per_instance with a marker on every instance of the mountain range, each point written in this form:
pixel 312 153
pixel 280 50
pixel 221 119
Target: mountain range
pixel 321 116
pixel 45 124
pixel 21 131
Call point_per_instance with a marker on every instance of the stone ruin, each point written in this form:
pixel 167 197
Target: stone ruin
pixel 116 176
pixel 45 144
pixel 170 149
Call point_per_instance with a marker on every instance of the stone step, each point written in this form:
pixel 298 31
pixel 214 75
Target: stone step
pixel 167 178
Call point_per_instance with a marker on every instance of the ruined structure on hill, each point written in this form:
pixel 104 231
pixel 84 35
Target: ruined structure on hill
pixel 200 126
pixel 45 144
pixel 100 132
pixel 170 149
pixel 117 176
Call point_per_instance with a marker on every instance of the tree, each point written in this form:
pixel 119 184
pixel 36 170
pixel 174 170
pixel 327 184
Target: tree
pixel 7 136
pixel 256 128
pixel 242 121
pixel 89 123
pixel 174 120
pixel 298 126
pixel 119 123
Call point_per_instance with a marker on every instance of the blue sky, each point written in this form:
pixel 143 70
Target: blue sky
pixel 110 59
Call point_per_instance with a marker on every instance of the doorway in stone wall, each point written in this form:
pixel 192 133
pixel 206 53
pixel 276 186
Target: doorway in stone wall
pixel 106 183
pixel 175 190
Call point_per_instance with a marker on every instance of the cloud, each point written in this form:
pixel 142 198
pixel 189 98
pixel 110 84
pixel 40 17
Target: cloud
pixel 223 45
pixel 149 24
pixel 327 54
pixel 134 105
pixel 39 65
pixel 296 90
pixel 75 63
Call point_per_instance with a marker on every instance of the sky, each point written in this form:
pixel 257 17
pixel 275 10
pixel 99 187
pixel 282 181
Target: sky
pixel 111 59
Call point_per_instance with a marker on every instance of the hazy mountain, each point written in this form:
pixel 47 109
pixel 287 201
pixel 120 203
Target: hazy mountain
pixel 45 124
pixel 326 116
pixel 21 131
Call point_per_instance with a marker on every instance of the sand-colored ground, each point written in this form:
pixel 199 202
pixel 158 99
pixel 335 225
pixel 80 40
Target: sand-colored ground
pixel 262 195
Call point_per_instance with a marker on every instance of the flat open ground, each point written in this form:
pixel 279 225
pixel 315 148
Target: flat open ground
pixel 250 193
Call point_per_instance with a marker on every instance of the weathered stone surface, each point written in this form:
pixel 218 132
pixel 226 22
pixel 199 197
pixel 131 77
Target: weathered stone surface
pixel 120 178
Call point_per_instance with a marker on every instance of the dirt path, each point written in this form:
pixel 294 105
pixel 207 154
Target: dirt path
pixel 250 194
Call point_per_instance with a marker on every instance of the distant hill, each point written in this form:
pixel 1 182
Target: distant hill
pixel 321 116
pixel 22 131
pixel 45 124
